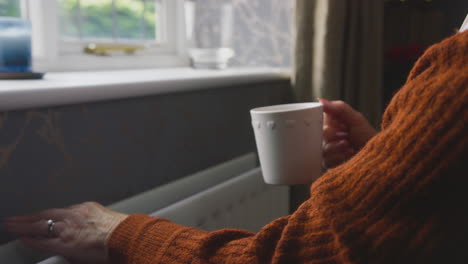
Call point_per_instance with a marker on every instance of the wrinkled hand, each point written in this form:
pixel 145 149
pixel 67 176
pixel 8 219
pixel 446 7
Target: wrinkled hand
pixel 80 232
pixel 345 132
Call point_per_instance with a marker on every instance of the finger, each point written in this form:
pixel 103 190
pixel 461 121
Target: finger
pixel 328 132
pixel 340 110
pixel 336 153
pixel 26 229
pixel 333 129
pixel 330 121
pixel 36 229
pixel 331 133
pixel 336 146
pixel 59 228
pixel 54 214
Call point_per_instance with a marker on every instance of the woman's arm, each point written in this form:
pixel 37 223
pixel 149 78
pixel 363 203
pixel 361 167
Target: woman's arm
pixel 396 201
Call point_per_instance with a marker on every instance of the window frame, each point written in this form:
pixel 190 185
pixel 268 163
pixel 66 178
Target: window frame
pixel 51 52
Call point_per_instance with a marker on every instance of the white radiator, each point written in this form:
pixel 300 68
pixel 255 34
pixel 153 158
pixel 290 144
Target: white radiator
pixel 231 195
pixel 244 202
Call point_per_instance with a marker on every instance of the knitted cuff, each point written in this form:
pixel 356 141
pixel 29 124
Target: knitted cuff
pixel 137 234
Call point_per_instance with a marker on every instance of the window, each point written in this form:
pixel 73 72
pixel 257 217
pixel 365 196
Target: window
pixel 10 8
pixel 103 34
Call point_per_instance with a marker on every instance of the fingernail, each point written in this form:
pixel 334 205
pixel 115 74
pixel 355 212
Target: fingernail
pixel 341 134
pixel 324 101
pixel 342 142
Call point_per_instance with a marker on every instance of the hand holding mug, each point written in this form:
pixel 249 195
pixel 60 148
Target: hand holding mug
pixel 345 132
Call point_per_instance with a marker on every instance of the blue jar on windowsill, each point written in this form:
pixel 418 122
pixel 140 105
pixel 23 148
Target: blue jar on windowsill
pixel 15 45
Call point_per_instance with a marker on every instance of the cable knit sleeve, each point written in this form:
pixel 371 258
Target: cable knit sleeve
pixel 401 199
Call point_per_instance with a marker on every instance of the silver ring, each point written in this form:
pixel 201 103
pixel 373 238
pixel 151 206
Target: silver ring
pixel 50 228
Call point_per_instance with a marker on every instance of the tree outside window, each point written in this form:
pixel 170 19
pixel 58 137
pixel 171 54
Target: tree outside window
pixel 10 8
pixel 108 19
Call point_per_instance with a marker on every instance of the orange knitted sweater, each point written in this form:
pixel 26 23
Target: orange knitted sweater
pixel 401 199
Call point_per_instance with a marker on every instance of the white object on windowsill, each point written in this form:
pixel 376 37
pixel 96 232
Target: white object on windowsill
pixel 211 58
pixel 81 87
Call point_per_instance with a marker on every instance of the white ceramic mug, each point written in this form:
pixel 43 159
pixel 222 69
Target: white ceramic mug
pixel 289 142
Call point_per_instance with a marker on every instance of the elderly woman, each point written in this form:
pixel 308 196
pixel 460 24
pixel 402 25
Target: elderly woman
pixel 400 199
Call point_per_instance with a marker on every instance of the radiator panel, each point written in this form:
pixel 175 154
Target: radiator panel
pixel 244 202
pixel 163 196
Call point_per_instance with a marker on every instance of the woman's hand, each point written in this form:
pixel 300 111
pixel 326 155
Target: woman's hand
pixel 79 233
pixel 345 132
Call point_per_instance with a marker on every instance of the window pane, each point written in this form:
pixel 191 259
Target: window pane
pixel 107 19
pixel 150 20
pixel 135 19
pixel 69 19
pixel 10 8
pixel 97 19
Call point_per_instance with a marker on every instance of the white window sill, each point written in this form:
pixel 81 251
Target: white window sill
pixel 80 87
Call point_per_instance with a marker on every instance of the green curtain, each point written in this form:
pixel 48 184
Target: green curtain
pixel 338 53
